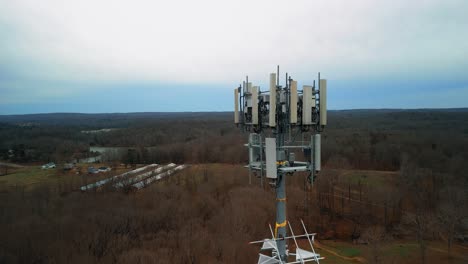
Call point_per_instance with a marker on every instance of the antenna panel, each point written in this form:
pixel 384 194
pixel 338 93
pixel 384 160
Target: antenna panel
pixel 248 101
pixel 248 96
pixel 254 149
pixel 255 105
pixel 293 103
pixel 272 115
pixel 236 106
pixel 323 102
pixel 283 99
pixel 270 152
pixel 317 157
pixel 307 105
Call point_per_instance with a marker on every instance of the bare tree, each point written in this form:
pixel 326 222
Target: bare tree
pixel 451 211
pixel 375 237
pixel 422 223
pixel 415 186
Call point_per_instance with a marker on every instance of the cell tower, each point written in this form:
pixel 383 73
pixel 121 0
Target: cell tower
pixel 275 118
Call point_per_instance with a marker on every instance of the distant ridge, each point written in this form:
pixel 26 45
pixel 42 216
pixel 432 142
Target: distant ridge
pixel 103 118
pixel 461 109
pixel 83 118
pixel 457 109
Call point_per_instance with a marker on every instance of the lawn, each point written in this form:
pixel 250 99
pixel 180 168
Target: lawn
pixel 28 176
pixel 349 251
pixel 33 176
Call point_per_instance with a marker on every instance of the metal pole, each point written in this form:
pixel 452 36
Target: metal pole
pixel 261 160
pixel 281 222
pixel 250 166
pixel 288 97
pixel 280 227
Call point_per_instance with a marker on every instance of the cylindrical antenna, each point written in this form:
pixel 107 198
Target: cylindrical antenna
pixel 247 83
pixel 277 75
pixel 319 81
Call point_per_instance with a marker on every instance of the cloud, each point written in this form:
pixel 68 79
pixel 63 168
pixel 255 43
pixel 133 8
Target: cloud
pixel 61 48
pixel 205 41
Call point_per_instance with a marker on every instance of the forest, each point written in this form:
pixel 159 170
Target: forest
pixel 392 181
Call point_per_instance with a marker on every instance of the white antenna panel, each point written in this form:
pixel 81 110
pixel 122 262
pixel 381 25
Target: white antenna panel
pixel 283 97
pixel 255 105
pixel 317 155
pixel 270 152
pixel 236 106
pixel 272 115
pixel 323 102
pixel 254 152
pixel 293 103
pixel 307 105
pixel 248 96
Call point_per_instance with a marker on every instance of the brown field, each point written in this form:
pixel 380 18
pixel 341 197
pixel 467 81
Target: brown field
pixel 393 189
pixel 204 214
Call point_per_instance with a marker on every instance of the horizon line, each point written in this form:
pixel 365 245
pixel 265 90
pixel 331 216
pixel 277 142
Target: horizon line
pixel 174 112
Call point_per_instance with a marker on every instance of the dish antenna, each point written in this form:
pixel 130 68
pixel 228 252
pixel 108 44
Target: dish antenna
pixel 275 118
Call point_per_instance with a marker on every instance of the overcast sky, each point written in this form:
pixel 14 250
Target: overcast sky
pixel 130 56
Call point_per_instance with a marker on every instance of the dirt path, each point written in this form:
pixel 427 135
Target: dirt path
pixel 11 165
pixel 331 251
pixel 444 250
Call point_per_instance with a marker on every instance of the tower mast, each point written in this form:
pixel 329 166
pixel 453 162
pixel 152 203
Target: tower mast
pixel 279 112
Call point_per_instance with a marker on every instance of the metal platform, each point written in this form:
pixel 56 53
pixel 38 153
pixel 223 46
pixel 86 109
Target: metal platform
pixel 299 256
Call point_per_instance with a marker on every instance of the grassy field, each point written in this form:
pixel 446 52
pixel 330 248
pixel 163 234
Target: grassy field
pixel 29 177
pixel 395 251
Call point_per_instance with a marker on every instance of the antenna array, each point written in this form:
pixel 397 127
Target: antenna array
pixel 275 118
